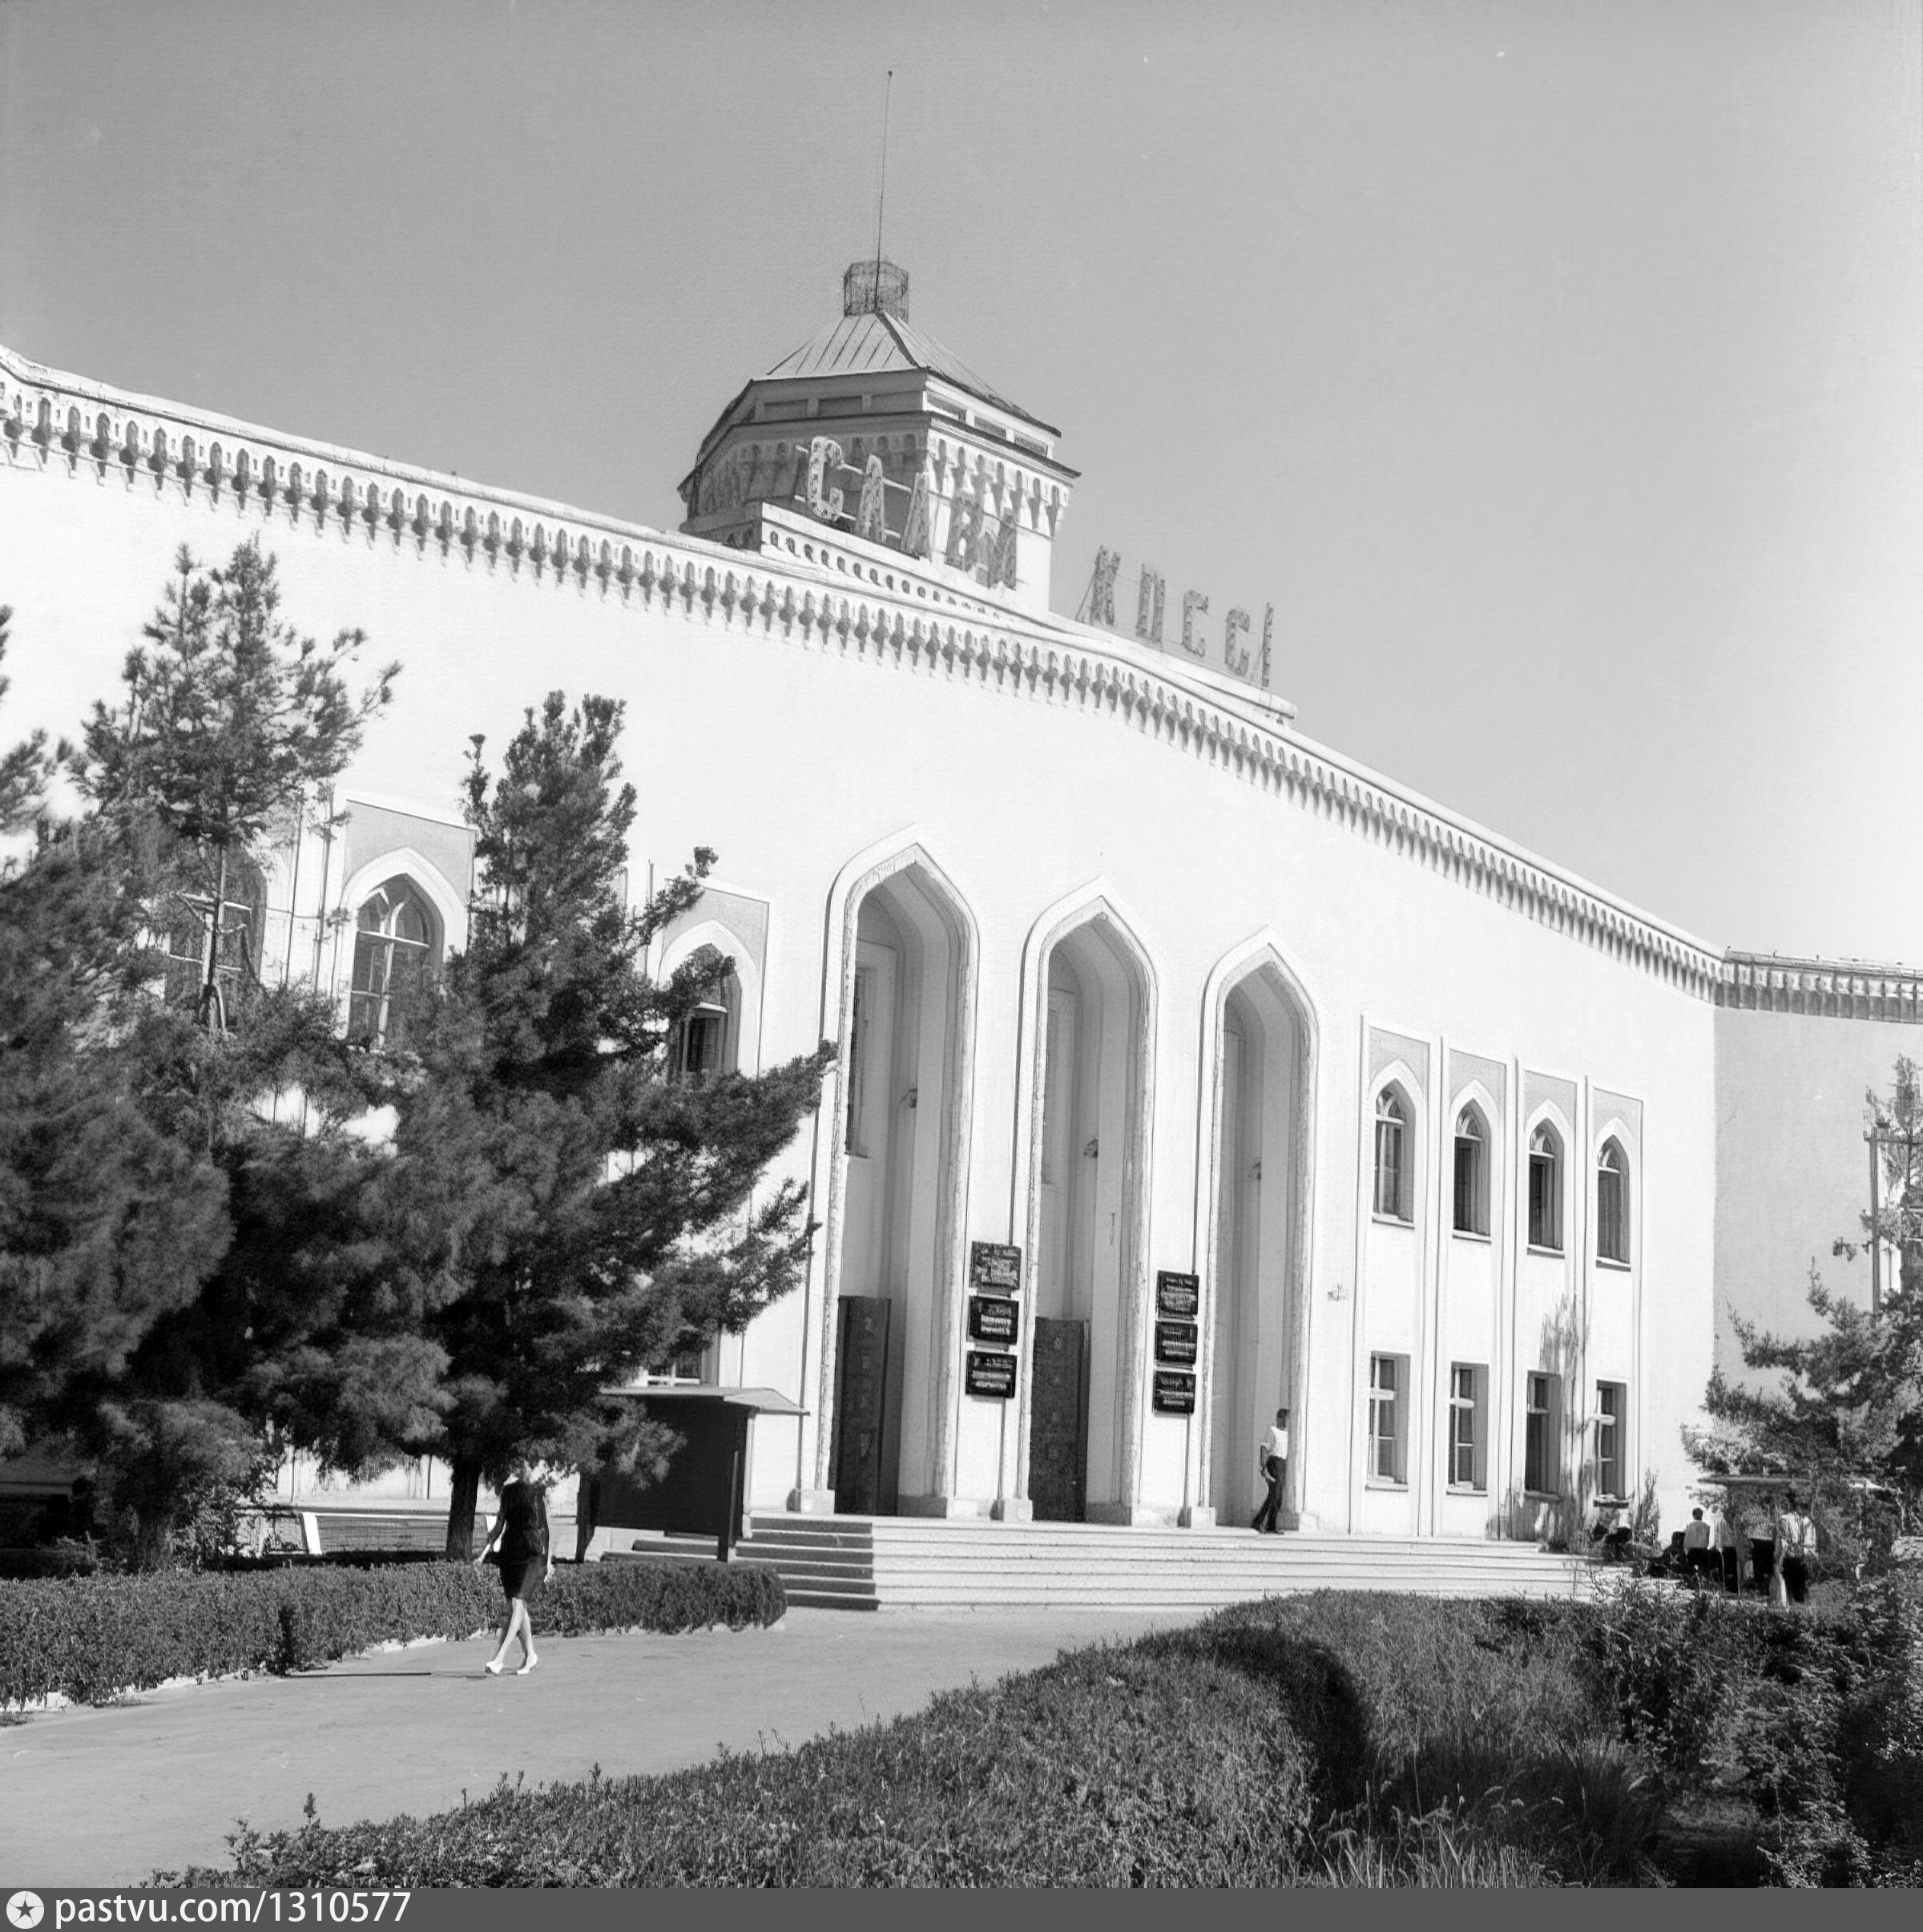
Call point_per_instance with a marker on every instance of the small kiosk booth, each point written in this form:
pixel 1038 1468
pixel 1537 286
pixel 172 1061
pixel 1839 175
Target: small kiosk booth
pixel 702 1491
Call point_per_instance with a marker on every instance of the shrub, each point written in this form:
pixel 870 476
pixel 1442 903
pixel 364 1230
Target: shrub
pixel 1673 1664
pixel 1439 1848
pixel 1276 1743
pixel 59 1559
pixel 1332 1739
pixel 1813 1721
pixel 1111 1768
pixel 94 1638
pixel 628 1595
pixel 1455 1738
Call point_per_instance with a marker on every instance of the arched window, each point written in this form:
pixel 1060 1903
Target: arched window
pixel 703 1045
pixel 1612 1203
pixel 1472 1173
pixel 1392 1156
pixel 1545 1189
pixel 700 1044
pixel 394 948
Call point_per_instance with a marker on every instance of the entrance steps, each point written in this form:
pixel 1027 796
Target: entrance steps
pixel 887 1562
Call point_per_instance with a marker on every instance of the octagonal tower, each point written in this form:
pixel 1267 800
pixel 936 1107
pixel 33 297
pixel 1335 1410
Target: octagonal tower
pixel 871 435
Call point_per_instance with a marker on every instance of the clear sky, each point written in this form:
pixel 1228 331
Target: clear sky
pixel 1551 365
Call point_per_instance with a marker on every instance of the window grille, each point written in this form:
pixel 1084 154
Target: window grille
pixel 1472 1174
pixel 1391 1143
pixel 1612 1204
pixel 237 938
pixel 700 1045
pixel 1541 1476
pixel 1466 1433
pixel 393 952
pixel 1387 1374
pixel 1612 1403
pixel 1545 1190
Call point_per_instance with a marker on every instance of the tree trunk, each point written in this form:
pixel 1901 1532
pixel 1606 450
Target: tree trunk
pixel 461 1508
pixel 210 981
pixel 587 1512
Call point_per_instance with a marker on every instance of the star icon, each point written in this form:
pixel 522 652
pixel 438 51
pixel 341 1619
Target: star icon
pixel 24 1911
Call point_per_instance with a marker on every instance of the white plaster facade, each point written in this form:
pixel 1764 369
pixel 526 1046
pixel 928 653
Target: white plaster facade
pixel 1134 960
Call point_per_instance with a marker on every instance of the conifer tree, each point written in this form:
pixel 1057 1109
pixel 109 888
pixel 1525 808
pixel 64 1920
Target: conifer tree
pixel 1848 1402
pixel 150 1263
pixel 25 769
pixel 566 1213
pixel 231 718
pixel 107 1220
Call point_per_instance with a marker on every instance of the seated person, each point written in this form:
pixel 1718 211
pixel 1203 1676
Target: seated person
pixel 1611 1531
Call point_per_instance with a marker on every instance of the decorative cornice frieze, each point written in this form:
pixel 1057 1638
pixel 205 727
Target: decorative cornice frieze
pixel 1832 988
pixel 64 423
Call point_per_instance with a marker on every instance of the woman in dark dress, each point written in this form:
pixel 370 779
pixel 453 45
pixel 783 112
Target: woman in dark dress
pixel 521 1530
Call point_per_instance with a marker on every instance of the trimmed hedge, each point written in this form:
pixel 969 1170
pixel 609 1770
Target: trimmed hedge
pixel 1244 1752
pixel 92 1639
pixel 18 1564
pixel 643 1595
pixel 1335 1738
pixel 1111 1768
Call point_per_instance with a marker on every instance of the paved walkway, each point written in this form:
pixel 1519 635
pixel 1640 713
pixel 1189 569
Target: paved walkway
pixel 104 1797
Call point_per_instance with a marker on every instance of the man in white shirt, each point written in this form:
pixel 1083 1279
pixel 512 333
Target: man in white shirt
pixel 1272 1462
pixel 1796 1545
pixel 1695 1547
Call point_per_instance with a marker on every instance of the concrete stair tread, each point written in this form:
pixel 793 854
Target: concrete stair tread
pixel 909 1562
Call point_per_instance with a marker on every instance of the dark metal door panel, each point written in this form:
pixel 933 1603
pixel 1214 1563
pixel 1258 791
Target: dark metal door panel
pixel 1057 1440
pixel 855 1466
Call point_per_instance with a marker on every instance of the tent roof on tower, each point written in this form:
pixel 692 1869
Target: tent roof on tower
pixel 874 343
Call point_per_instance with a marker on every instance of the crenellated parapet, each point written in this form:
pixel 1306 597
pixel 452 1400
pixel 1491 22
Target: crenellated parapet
pixel 65 423
pixel 808 587
pixel 1832 988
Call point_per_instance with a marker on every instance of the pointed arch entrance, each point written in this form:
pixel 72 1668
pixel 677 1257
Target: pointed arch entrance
pixel 1087 1103
pixel 888 1390
pixel 1260 1066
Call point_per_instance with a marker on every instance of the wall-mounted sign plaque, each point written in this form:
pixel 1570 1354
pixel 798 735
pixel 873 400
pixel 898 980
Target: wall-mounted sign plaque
pixel 994 1318
pixel 993 1376
pixel 1174 1393
pixel 1176 1342
pixel 1178 1295
pixel 994 1266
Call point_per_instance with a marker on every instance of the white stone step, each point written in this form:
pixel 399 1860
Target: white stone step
pixel 900 1563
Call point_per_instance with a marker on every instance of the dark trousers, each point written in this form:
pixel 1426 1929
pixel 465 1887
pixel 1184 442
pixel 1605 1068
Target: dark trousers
pixel 1732 1570
pixel 1702 1562
pixel 1761 1563
pixel 1795 1580
pixel 1267 1520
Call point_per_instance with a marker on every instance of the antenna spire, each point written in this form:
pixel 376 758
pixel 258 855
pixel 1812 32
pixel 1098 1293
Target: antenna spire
pixel 881 193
